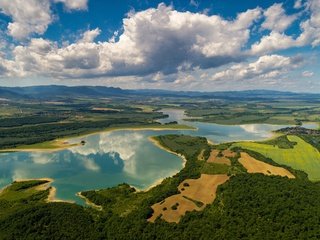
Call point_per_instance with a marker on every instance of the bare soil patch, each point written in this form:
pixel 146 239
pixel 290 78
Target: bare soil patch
pixel 228 153
pixel 201 190
pixel 204 188
pixel 217 157
pixel 167 209
pixel 255 166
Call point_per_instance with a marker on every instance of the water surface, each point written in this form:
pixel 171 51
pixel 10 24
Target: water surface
pixel 110 158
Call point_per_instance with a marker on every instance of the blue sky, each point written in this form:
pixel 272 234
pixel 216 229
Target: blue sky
pixel 180 45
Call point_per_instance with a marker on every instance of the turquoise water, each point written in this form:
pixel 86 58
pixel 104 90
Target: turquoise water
pixel 106 160
pixel 110 158
pixel 218 133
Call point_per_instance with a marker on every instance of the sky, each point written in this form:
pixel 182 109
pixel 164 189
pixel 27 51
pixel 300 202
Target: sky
pixel 197 45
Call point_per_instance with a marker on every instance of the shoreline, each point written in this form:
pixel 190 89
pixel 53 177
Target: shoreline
pixel 157 143
pixel 88 202
pixel 112 129
pixel 52 190
pixel 134 128
pixel 154 184
pixel 56 146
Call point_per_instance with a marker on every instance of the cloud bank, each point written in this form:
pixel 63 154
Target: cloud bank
pixel 160 43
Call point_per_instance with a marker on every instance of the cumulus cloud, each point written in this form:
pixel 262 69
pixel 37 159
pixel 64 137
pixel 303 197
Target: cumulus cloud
pixel 276 18
pixel 155 40
pixel 29 17
pixel 74 4
pixel 160 45
pixel 90 35
pixel 311 27
pixel 266 67
pixel 33 16
pixel 273 42
pixel 276 40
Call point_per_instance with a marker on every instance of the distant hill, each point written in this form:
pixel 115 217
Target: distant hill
pixel 9 94
pixel 59 91
pixel 55 91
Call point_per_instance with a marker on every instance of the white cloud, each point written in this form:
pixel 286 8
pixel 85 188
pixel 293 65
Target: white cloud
pixel 90 35
pixel 310 33
pixel 32 16
pixel 160 46
pixel 74 4
pixel 307 74
pixel 266 67
pixel 311 27
pixel 146 46
pixel 276 18
pixel 273 42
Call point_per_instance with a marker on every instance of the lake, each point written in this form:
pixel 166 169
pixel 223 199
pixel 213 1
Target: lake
pixel 110 158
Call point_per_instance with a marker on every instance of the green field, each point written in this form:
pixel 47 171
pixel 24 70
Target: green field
pixel 302 156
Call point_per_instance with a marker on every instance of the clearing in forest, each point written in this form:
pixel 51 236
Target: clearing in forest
pixel 218 157
pixel 172 208
pixel 201 155
pixel 195 194
pixel 228 153
pixel 202 189
pixel 255 166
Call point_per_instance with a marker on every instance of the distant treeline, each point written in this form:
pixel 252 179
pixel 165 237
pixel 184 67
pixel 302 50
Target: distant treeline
pixel 31 134
pixel 29 120
pixel 10 138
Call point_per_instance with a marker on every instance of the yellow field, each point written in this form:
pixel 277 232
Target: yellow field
pixel 303 156
pixel 167 213
pixel 215 159
pixel 255 166
pixel 201 190
pixel 228 153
